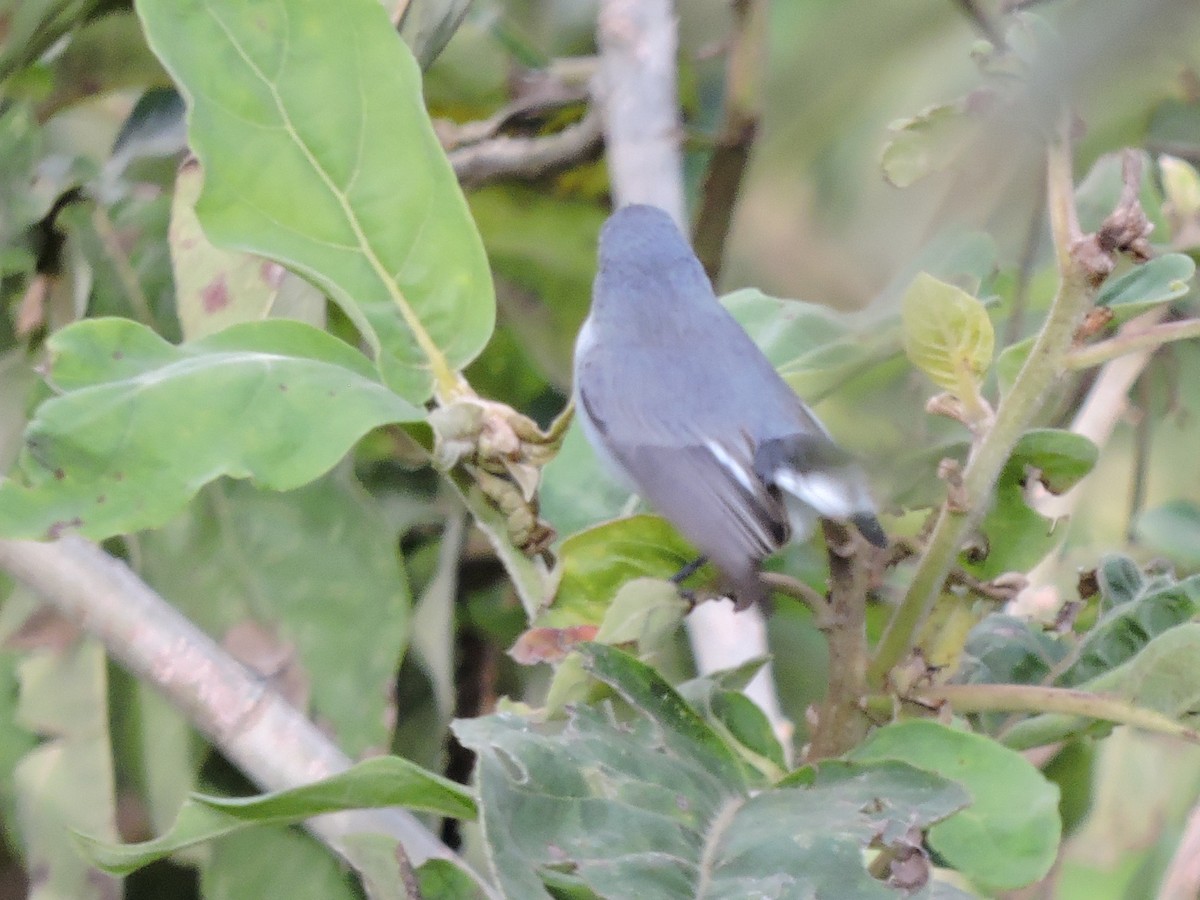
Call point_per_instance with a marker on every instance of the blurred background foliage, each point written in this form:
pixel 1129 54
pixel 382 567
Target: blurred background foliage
pixel 90 141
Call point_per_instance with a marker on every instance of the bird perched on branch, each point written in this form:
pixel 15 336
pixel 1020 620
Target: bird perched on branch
pixel 681 404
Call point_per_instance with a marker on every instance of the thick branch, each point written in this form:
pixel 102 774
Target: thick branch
pixel 246 719
pixel 841 723
pixel 641 113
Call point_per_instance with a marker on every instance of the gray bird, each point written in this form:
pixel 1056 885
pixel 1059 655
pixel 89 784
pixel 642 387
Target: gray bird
pixel 682 406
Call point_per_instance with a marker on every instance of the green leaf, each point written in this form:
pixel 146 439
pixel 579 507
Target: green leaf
pixel 1120 580
pixel 812 346
pixel 214 288
pixel 1128 628
pixel 1004 649
pixel 595 563
pixel 925 143
pixel 1173 530
pixel 1060 457
pixel 144 424
pixel 317 152
pixel 643 688
pixel 304 580
pixel 372 784
pixel 645 612
pixel 67 780
pixel 1181 184
pixel 1164 676
pixel 1161 280
pixel 1008 837
pixel 627 809
pixel 1018 536
pixel 1161 677
pixel 440 879
pixel 1009 363
pixel 743 724
pixel 300 868
pixel 947 335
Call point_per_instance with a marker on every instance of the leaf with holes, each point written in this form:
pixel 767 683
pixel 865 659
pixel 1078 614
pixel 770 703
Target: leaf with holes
pixel 661 805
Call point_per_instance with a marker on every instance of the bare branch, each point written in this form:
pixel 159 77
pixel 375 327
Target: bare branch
pixel 519 157
pixel 641 113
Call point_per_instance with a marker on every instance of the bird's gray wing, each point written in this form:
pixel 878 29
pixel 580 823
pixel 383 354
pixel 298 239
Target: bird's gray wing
pixel 706 487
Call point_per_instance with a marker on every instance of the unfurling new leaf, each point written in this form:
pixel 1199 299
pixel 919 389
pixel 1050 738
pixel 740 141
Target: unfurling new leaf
pixel 948 336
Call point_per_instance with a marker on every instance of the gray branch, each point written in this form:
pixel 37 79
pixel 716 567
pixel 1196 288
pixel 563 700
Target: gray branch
pixel 244 717
pixel 638 96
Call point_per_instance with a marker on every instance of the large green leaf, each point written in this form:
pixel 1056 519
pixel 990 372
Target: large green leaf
pixel 379 782
pixel 658 807
pixel 926 143
pixel 308 119
pixel 214 288
pixel 143 424
pixel 299 582
pixel 1008 836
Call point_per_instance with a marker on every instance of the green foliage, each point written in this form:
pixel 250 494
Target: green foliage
pixel 1143 287
pixel 301 166
pixel 1009 835
pixel 380 782
pixel 141 425
pixel 661 805
pixel 273 377
pixel 1018 536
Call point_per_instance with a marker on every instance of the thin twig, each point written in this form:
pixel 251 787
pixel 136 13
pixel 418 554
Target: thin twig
pixel 1033 698
pixel 537 98
pixel 515 157
pixel 735 140
pixel 798 590
pixel 1132 340
pixel 244 717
